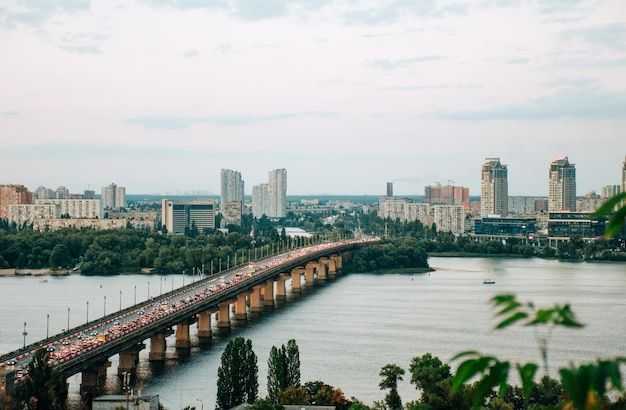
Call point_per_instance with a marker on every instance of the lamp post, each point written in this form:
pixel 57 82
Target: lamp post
pixel 47 325
pixel 135 297
pixel 148 290
pixel 68 318
pixel 161 286
pixel 87 312
pixel 24 334
pixel 201 404
pixel 120 299
pixel 228 262
pixel 105 306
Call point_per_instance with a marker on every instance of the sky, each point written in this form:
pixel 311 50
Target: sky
pixel 158 96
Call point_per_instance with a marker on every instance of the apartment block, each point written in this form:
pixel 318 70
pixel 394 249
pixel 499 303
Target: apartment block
pixel 178 215
pixel 494 188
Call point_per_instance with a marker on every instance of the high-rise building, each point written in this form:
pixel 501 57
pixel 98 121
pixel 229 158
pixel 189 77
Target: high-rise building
pixel 277 193
pixel 389 189
pixel 446 195
pixel 232 187
pixel 13 195
pixel 494 188
pixel 113 197
pixel 260 200
pixel 624 175
pixel 562 185
pixel 176 216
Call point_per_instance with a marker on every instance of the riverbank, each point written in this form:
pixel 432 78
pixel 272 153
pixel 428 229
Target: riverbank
pixel 35 272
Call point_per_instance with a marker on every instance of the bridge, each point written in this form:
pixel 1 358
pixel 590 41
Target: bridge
pixel 244 289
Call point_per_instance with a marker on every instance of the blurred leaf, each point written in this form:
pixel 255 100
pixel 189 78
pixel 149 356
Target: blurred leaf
pixel 512 319
pixel 527 375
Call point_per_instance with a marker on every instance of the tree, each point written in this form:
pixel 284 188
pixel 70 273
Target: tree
pixel 391 374
pixel 237 377
pixel 283 369
pixel 294 395
pixel 44 387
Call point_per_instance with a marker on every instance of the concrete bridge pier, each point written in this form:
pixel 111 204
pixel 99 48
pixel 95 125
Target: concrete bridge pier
pixel 255 299
pixel 281 289
pixel 268 293
pixel 338 262
pixel 157 346
pixel 241 311
pixel 182 334
pixel 204 324
pixel 129 359
pixel 296 274
pixel 309 272
pixel 322 268
pixel 223 314
pixel 93 378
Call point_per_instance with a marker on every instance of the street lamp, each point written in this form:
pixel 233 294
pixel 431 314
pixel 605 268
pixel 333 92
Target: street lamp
pixel 135 297
pixel 148 290
pixel 201 404
pixel 24 334
pixel 105 306
pixel 47 325
pixel 120 299
pixel 68 318
pixel 87 312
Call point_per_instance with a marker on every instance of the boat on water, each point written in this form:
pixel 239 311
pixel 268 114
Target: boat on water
pixel 489 282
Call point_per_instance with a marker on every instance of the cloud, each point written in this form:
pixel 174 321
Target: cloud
pixel 82 49
pixel 10 113
pixel 190 54
pixel 610 35
pixel 35 13
pixel 173 123
pixel 395 64
pixel 190 4
pixel 576 104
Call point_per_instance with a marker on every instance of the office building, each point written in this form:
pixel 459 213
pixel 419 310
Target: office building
pixel 231 186
pixel 562 185
pixel 494 188
pixel 277 193
pixel 177 216
pixel 13 195
pixel 562 226
pixel 113 197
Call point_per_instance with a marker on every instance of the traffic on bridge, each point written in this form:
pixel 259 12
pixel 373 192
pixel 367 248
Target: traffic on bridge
pixel 248 287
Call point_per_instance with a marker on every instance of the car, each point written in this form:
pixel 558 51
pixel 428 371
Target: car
pixel 94 333
pixel 116 323
pixel 51 349
pixel 66 342
pixel 11 362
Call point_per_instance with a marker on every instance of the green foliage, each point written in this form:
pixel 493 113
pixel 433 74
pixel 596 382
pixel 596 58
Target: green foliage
pixel 265 404
pixel 616 222
pixel 237 377
pixel 391 374
pixel 400 253
pixel 294 395
pixel 45 387
pixel 283 369
pixel 584 385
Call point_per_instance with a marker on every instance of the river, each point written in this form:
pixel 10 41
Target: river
pixel 348 327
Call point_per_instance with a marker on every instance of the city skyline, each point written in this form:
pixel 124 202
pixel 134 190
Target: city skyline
pixel 159 96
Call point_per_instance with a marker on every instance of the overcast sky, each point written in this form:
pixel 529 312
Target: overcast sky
pixel 347 95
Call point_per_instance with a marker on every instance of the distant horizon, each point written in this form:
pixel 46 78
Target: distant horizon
pixel 160 95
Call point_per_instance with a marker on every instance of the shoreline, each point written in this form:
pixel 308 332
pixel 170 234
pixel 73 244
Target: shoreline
pixel 35 272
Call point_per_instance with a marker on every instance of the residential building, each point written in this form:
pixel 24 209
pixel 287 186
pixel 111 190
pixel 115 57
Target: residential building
pixel 176 216
pixel 447 218
pixel 231 213
pixel 75 208
pixel 113 197
pixel 494 188
pixel 260 200
pixel 44 193
pixel 446 195
pixel 610 191
pixel 541 205
pixel 61 193
pixel 562 185
pixel 13 195
pixel 232 187
pixel 277 193
pixel 25 214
